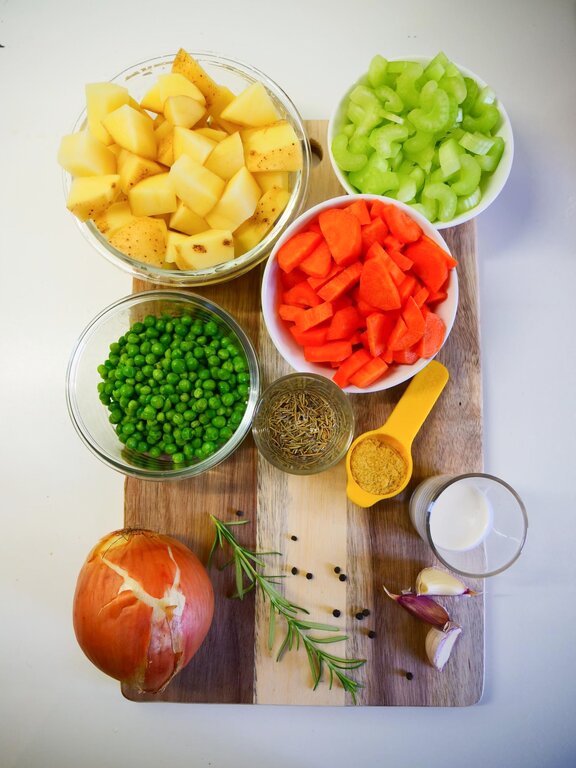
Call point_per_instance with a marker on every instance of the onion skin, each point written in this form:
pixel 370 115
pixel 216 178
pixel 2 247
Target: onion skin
pixel 142 607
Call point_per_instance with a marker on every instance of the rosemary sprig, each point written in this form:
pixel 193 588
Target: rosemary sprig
pixel 246 564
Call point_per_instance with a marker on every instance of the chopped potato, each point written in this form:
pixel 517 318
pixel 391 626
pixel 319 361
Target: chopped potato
pixel 190 177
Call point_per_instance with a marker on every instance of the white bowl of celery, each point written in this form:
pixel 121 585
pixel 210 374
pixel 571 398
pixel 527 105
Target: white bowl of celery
pixel 427 132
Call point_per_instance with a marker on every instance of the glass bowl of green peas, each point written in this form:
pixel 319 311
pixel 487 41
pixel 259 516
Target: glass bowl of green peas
pixel 163 385
pixel 425 131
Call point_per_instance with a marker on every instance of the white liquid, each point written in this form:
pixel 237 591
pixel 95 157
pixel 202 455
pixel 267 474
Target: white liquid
pixel 461 518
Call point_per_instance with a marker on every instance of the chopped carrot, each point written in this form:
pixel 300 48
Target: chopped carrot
pixel 429 264
pixel 290 279
pixel 349 367
pixel 407 287
pixel 302 295
pixel 377 287
pixel 437 297
pixel 395 272
pixel 314 227
pixel 402 261
pixel 319 263
pixel 342 301
pixel 433 338
pixel 370 372
pixel 401 225
pixel 345 322
pixel 396 333
pixel 445 255
pixel 289 312
pixel 377 209
pixel 359 208
pixel 376 231
pixel 414 320
pixel 420 295
pixel 296 249
pixel 388 357
pixel 391 243
pixel 313 337
pixel 330 352
pixel 318 282
pixel 341 283
pixel 314 316
pixel 342 232
pixel 378 328
pixel 406 356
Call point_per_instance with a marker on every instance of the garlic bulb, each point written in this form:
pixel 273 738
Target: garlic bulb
pixel 440 642
pixel 433 581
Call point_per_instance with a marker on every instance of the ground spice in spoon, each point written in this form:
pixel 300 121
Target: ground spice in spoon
pixel 377 467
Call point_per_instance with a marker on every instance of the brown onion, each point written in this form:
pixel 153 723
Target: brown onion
pixel 143 605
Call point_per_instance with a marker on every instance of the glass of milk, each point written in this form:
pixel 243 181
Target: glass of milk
pixel 476 524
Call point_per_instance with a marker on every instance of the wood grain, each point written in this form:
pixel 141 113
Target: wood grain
pixel 372 547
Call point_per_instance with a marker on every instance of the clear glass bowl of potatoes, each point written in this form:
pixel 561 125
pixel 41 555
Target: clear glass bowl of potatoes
pixel 185 169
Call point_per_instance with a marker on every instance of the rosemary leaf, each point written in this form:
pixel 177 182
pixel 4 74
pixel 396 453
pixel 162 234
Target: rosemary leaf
pixel 297 629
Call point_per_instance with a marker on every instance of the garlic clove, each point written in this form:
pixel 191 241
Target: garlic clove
pixel 433 581
pixel 440 642
pixel 422 607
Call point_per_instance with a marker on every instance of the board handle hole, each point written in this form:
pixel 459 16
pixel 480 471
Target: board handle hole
pixel 317 152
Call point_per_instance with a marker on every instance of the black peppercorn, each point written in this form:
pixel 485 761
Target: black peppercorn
pixel 371 634
pixel 342 577
pixel 409 675
pixel 359 616
pixel 294 571
pixel 366 612
pixel 309 575
pixel 337 569
pixel 336 612
pixel 239 513
pixel 294 538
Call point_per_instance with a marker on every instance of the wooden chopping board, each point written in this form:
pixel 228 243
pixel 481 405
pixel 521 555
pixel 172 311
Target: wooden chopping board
pixel 372 547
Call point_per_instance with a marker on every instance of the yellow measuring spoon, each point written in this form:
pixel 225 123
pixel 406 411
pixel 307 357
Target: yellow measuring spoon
pixel 400 429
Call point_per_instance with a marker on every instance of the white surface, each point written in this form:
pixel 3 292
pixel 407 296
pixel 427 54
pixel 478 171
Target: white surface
pixel 57 499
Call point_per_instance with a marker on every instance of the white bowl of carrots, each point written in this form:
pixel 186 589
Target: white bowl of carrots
pixel 361 289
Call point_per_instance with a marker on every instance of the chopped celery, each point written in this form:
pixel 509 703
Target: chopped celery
pixel 407 188
pixel 466 204
pixel 454 85
pixel 377 70
pixel 360 145
pixel 386 138
pixel 483 123
pixel 391 101
pixel 364 119
pixel 407 86
pixel 477 143
pixel 437 67
pixel 425 135
pixel 449 154
pixel 489 162
pixel 469 176
pixel 346 160
pixel 472 91
pixel 445 197
pixel 435 118
pixel 419 141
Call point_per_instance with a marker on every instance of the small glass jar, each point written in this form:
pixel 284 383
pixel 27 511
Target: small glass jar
pixel 303 424
pixel 476 524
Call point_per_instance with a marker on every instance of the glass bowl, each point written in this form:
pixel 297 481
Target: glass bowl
pixel 236 76
pixel 491 185
pixel 297 404
pixel 278 330
pixel 91 417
